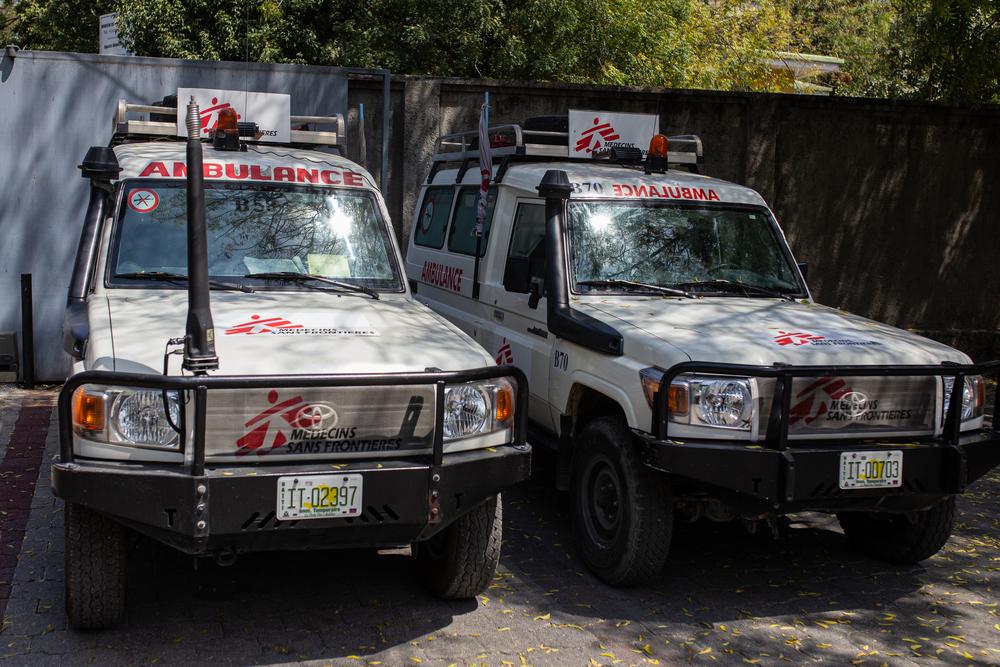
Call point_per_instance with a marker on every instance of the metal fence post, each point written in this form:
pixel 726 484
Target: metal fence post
pixel 27 334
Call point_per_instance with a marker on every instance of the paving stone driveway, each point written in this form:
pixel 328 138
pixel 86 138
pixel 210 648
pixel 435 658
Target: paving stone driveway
pixel 726 597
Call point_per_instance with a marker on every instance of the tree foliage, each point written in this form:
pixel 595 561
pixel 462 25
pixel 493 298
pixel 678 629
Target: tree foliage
pixel 929 49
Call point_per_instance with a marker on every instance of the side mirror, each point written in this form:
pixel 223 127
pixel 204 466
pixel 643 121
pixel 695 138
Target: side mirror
pixel 804 268
pixel 534 294
pixel 517 275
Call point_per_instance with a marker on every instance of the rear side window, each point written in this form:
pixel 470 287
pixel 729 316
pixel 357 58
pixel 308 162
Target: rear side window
pixel 461 239
pixel 433 219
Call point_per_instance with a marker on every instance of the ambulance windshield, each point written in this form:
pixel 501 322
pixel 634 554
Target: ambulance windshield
pixel 255 228
pixel 703 249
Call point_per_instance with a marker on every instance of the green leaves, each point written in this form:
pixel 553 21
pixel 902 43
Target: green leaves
pixel 927 49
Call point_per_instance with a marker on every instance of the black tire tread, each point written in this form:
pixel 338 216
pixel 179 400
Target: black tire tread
pixel 95 553
pixel 646 551
pixel 901 543
pixel 471 553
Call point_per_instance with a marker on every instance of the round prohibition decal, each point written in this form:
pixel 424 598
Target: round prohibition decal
pixel 143 201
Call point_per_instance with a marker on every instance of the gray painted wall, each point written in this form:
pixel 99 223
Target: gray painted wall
pixel 896 206
pixel 56 105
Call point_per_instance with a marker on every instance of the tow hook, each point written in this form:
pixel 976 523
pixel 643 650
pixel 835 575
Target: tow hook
pixel 225 558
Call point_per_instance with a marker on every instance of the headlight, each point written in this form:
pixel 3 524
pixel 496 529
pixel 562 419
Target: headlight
pixel 721 402
pixel 973 397
pixel 132 417
pixel 476 408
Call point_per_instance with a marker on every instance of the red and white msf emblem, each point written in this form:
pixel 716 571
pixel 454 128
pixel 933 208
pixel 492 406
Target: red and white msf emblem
pixel 210 116
pixel 505 355
pixel 812 404
pixel 594 138
pixel 796 338
pixel 256 325
pixel 271 428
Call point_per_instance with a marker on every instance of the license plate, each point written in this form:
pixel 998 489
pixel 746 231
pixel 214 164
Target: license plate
pixel 871 470
pixel 319 496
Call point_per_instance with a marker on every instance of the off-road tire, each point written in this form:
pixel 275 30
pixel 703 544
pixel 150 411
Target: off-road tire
pixel 628 543
pixel 95 569
pixel 460 562
pixel 900 538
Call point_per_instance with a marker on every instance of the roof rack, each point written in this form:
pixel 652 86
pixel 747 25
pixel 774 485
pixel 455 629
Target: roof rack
pixel 513 141
pixel 124 127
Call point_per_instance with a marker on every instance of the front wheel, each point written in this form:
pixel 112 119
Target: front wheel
pixel 900 538
pixel 460 561
pixel 95 569
pixel 622 510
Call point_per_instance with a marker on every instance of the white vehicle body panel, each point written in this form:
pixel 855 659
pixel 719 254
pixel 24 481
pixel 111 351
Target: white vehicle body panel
pixel 656 331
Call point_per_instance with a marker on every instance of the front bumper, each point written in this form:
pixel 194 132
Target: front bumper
pixel 204 508
pixel 806 477
pixel 232 509
pixel 783 475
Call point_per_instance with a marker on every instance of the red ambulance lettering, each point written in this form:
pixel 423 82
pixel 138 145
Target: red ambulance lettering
pixel 307 175
pixel 157 168
pixel 448 277
pixel 256 172
pixel 664 192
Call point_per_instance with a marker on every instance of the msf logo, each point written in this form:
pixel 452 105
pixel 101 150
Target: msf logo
pixel 818 397
pixel 594 138
pixel 796 338
pixel 271 428
pixel 505 355
pixel 258 325
pixel 210 115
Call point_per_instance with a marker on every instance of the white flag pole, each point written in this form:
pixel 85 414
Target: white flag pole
pixel 485 172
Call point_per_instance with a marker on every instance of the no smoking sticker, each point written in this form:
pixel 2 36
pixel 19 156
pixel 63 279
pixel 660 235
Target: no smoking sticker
pixel 143 201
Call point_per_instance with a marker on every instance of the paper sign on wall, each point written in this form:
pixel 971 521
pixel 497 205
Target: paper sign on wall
pixel 592 131
pixel 271 111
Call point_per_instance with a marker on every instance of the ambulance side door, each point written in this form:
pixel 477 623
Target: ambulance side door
pixel 521 335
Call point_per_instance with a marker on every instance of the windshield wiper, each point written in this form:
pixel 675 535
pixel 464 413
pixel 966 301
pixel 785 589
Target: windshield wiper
pixel 662 289
pixel 302 277
pixel 167 276
pixel 731 286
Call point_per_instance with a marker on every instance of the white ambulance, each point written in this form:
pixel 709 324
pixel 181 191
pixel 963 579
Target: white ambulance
pixel 678 365
pixel 251 372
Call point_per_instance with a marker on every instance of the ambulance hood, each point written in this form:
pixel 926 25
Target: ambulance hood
pixel 760 331
pixel 287 333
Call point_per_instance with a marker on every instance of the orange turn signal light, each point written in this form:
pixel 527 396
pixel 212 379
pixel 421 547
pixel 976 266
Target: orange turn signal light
pixel 504 403
pixel 88 410
pixel 677 401
pixel 659 146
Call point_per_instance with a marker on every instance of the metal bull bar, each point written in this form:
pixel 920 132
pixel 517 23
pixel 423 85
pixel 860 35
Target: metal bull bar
pixel 201 385
pixel 777 427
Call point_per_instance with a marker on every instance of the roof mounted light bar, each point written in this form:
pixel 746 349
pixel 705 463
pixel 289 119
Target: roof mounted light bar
pixel 514 140
pixel 124 127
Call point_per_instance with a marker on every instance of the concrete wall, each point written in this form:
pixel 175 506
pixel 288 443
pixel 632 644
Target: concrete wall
pixel 896 206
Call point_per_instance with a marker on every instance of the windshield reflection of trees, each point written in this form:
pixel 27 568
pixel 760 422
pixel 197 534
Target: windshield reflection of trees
pixel 663 245
pixel 329 233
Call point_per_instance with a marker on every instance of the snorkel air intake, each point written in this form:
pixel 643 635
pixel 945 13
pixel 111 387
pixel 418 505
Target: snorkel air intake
pixel 199 338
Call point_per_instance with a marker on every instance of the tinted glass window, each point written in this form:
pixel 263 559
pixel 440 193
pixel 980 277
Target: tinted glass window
pixel 461 238
pixel 433 219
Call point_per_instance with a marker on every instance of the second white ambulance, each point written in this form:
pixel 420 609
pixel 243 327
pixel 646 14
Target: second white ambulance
pixel 678 364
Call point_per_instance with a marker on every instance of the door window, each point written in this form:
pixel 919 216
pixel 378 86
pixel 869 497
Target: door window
pixel 461 238
pixel 433 220
pixel 526 256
